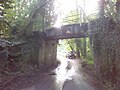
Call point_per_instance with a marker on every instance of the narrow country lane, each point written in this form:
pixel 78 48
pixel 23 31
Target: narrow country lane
pixel 67 77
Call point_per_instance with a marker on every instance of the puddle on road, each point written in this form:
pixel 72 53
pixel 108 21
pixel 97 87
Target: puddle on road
pixel 66 77
pixel 70 78
pixel 65 71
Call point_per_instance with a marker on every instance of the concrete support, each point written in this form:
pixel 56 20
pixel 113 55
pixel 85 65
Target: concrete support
pixel 47 52
pixel 40 51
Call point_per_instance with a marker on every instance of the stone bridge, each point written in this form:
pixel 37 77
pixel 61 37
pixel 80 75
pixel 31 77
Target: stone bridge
pixel 103 34
pixel 68 31
pixel 44 44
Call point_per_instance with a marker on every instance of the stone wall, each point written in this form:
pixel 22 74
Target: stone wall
pixel 39 51
pixel 47 52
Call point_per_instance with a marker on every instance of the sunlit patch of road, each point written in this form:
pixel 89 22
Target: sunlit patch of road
pixel 65 70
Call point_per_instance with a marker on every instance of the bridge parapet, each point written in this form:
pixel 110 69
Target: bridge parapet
pixel 68 31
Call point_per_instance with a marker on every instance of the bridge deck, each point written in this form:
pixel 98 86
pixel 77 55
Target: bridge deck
pixel 68 31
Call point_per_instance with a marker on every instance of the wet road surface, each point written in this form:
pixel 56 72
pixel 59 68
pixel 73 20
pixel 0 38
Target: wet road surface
pixel 67 77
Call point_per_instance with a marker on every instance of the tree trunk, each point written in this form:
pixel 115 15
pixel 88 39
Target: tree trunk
pixel 70 45
pixel 77 47
pixel 78 53
pixel 101 6
pixel 118 10
pixel 84 48
pixel 105 35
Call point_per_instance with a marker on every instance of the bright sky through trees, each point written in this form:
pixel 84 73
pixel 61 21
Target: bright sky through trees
pixel 63 7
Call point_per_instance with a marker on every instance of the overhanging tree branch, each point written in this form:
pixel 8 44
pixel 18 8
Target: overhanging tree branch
pixel 4 21
pixel 35 14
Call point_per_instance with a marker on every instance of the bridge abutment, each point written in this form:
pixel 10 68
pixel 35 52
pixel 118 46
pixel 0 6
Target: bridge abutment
pixel 39 51
pixel 47 52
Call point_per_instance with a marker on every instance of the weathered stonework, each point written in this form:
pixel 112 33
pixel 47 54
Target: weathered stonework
pixel 47 52
pixel 68 31
pixel 41 47
pixel 39 51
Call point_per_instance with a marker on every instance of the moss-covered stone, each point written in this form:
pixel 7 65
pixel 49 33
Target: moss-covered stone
pixel 105 39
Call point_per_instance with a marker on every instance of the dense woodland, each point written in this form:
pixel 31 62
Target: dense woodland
pixel 20 18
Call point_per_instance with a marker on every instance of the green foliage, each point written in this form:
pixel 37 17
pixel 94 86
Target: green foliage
pixel 72 17
pixel 78 45
pixel 110 8
pixel 24 16
pixel 4 5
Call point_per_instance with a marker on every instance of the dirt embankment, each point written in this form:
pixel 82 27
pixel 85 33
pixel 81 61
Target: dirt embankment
pixel 89 73
pixel 7 82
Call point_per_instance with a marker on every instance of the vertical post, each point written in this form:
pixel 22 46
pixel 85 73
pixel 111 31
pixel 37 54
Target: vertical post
pixel 101 6
pixel 118 10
